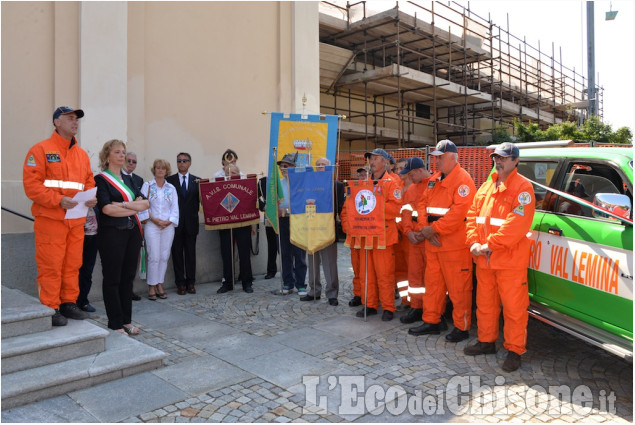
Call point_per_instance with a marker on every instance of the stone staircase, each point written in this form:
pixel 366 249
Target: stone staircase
pixel 40 361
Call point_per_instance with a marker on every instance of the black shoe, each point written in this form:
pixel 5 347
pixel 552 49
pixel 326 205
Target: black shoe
pixel 270 275
pixel 88 308
pixel 58 320
pixel 224 289
pixel 191 289
pixel 480 348
pixel 426 329
pixel 386 316
pixel 369 312
pixel 333 301
pixel 356 301
pixel 413 315
pixel 512 362
pixel 457 335
pixel 248 289
pixel 135 297
pixel 71 311
pixel 308 298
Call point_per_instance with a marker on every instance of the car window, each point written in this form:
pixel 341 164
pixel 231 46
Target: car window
pixel 585 180
pixel 541 172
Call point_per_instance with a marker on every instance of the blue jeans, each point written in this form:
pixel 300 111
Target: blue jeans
pixel 293 258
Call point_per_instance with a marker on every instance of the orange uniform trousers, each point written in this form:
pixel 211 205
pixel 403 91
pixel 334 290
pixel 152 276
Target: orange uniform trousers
pixel 381 272
pixel 357 261
pixel 402 249
pixel 59 246
pixel 449 271
pixel 510 288
pixel 416 272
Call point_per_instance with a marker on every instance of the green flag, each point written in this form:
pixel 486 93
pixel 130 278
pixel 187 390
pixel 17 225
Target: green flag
pixel 274 193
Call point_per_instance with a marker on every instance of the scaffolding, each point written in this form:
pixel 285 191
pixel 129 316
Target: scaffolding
pixel 410 78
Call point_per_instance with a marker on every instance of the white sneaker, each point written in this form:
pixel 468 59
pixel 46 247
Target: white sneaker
pixel 302 292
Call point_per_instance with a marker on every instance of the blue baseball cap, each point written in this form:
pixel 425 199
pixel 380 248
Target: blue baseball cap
pixel 506 149
pixel 391 159
pixel 377 151
pixel 412 164
pixel 63 110
pixel 444 146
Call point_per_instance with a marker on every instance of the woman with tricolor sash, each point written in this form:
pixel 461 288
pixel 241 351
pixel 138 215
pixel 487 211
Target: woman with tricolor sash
pixel 120 235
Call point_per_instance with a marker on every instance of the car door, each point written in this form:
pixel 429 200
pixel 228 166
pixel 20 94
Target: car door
pixel 586 265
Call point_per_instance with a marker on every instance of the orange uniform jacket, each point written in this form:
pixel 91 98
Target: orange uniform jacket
pixel 52 170
pixel 410 201
pixel 501 218
pixel 449 200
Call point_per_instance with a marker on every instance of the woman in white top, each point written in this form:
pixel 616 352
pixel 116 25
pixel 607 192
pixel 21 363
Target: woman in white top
pixel 159 230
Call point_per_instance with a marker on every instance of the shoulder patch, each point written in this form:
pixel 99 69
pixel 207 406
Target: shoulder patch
pixel 524 198
pixel 463 190
pixel 397 193
pixel 520 210
pixel 30 161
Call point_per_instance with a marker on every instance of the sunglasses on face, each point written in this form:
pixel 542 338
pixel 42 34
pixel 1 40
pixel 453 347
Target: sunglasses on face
pixel 132 161
pixel 182 160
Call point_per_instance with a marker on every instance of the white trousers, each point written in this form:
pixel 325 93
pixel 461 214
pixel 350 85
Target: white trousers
pixel 158 245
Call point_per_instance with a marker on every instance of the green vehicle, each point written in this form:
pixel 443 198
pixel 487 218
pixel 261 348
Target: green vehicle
pixel 581 265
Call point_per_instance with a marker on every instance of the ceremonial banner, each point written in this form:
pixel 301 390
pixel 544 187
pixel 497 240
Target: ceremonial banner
pixel 365 211
pixel 231 203
pixel 274 193
pixel 312 222
pixel 310 136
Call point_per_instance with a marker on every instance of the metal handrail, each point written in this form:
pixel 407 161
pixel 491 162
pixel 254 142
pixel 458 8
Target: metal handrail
pixel 17 213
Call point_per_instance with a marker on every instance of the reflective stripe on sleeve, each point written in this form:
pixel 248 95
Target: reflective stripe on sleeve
pixel 437 211
pixel 61 184
pixel 493 221
pixel 405 207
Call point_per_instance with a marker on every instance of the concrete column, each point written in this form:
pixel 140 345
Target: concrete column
pixel 103 74
pixel 305 56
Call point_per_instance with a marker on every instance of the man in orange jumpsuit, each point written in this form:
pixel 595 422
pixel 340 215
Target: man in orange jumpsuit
pixel 54 171
pixel 448 262
pixel 381 262
pixel 419 176
pixel 356 256
pixel 497 225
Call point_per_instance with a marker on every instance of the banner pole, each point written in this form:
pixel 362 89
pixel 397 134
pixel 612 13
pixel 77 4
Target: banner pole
pixel 365 282
pixel 231 244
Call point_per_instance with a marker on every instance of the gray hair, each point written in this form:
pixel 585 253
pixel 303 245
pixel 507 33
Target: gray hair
pixel 131 153
pixel 328 161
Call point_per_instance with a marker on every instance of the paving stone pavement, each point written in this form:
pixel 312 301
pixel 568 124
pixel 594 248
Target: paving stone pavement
pixel 261 357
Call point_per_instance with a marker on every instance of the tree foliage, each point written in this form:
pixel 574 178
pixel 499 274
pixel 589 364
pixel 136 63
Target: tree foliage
pixel 592 130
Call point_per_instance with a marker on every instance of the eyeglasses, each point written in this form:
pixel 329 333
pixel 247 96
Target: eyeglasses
pixel 182 160
pixel 132 161
pixel 284 165
pixel 499 158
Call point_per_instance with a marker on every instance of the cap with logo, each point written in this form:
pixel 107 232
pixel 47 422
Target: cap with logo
pixel 506 149
pixel 63 110
pixel 289 158
pixel 377 151
pixel 412 164
pixel 444 146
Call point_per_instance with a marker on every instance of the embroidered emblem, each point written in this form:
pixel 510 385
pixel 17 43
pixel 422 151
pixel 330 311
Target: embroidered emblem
pixel 524 198
pixel 365 202
pixel 53 157
pixel 520 210
pixel 30 161
pixel 397 193
pixel 464 190
pixel 230 202
pixel 431 184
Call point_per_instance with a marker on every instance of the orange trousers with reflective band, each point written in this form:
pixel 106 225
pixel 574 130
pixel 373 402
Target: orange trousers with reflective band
pixel 402 267
pixel 451 272
pixel 58 254
pixel 381 276
pixel 416 272
pixel 509 288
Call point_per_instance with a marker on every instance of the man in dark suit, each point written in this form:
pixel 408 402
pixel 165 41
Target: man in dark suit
pixel 137 182
pixel 184 244
pixel 272 238
pixel 131 165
